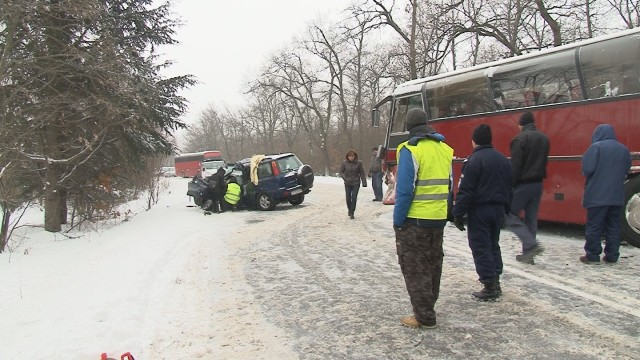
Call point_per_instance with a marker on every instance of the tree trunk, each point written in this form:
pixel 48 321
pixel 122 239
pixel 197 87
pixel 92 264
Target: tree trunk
pixel 4 227
pixel 64 211
pixel 52 207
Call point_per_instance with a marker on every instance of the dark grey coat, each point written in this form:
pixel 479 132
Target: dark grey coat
pixel 353 173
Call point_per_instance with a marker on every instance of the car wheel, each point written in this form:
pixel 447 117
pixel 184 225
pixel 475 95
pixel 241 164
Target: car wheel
pixel 265 202
pixel 305 176
pixel 296 200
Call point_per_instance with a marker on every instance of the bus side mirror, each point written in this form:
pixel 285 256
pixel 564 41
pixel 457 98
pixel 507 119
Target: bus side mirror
pixel 381 152
pixel 375 118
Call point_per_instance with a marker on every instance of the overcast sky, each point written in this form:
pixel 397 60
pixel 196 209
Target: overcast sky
pixel 223 42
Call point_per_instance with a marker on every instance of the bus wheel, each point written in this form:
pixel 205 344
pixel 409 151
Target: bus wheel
pixel 631 214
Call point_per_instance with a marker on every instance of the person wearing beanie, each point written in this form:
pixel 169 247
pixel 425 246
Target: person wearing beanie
pixel 482 135
pixel 529 152
pixel 484 196
pixel 423 194
pixel 526 118
pixel 415 117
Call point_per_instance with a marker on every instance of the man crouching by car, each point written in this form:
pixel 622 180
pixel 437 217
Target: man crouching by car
pixel 216 189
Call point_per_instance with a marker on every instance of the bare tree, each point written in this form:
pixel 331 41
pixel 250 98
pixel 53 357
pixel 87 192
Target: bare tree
pixel 290 75
pixel 627 10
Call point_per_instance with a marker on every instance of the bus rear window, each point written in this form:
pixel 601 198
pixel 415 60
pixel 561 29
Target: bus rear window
pixel 611 68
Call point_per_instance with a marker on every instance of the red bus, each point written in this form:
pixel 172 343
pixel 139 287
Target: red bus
pixel 570 90
pixel 188 165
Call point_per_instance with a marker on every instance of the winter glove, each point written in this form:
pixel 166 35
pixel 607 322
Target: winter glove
pixel 364 183
pixel 458 221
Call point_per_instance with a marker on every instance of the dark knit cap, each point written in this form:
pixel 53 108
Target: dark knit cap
pixel 482 135
pixel 416 117
pixel 526 118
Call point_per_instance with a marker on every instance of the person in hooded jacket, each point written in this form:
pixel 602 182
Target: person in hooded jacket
pixel 352 172
pixel 605 164
pixel 484 195
pixel 423 196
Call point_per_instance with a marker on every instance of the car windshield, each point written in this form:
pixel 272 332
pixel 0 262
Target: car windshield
pixel 213 165
pixel 289 163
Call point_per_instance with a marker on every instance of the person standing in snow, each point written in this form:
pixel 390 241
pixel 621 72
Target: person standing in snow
pixel 423 194
pixel 605 164
pixel 352 172
pixel 484 195
pixel 529 152
pixel 375 172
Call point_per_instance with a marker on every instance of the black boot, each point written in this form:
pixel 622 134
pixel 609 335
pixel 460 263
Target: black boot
pixel 489 292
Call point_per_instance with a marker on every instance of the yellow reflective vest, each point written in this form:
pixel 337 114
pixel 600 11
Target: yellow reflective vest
pixel 233 193
pixel 433 160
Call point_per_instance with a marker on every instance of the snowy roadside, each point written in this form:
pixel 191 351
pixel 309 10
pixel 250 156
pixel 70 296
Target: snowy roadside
pixel 299 282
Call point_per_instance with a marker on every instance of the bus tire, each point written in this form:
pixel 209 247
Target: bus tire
pixel 631 212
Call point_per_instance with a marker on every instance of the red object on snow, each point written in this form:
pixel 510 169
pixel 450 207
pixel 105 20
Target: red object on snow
pixel 125 356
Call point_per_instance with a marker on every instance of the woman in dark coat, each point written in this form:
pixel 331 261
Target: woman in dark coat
pixel 352 172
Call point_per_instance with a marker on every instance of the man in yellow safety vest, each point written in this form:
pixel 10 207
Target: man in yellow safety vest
pixel 423 197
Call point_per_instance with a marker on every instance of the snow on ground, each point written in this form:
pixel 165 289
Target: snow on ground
pixel 299 282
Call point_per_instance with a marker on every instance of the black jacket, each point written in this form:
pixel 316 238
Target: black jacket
pixel 486 179
pixel 529 152
pixel 217 185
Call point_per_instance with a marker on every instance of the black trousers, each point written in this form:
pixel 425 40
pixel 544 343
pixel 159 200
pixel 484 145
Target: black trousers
pixel 483 231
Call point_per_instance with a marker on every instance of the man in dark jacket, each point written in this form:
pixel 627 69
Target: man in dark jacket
pixel 375 172
pixel 484 195
pixel 529 152
pixel 216 189
pixel 605 164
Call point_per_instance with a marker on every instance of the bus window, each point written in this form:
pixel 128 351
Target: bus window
pixel 402 106
pixel 575 90
pixel 611 68
pixel 463 94
pixel 537 81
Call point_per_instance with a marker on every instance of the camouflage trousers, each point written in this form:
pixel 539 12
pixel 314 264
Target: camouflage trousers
pixel 420 257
